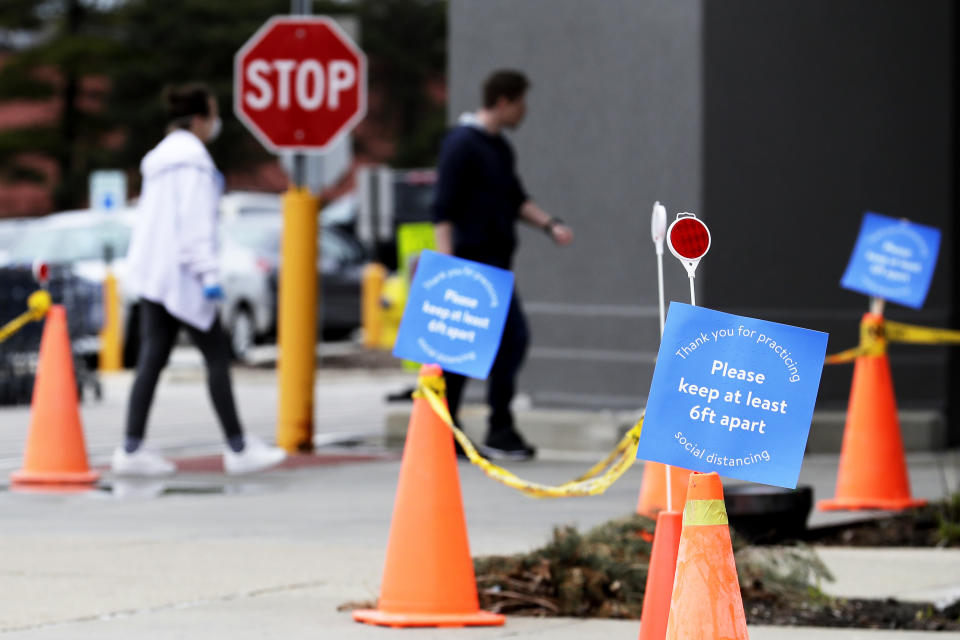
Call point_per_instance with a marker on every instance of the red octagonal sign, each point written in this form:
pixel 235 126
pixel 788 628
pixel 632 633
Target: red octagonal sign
pixel 299 83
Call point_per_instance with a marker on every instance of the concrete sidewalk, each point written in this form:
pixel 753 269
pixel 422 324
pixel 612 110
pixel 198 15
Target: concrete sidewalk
pixel 274 555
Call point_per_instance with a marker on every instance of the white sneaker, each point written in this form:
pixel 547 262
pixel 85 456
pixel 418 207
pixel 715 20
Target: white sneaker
pixel 141 462
pixel 256 456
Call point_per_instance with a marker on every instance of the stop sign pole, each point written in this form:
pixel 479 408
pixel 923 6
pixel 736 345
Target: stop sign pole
pixel 299 85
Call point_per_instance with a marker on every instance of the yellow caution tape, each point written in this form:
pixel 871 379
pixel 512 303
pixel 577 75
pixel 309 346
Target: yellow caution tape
pixel 876 332
pixel 872 343
pixel 594 482
pixel 704 512
pixel 37 305
pixel 899 332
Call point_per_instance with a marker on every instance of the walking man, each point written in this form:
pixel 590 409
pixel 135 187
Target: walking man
pixel 479 199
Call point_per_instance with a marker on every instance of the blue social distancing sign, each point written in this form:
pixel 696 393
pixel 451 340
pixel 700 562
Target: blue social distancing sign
pixel 455 314
pixel 732 394
pixel 893 259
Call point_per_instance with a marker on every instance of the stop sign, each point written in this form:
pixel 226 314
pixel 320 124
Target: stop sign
pixel 299 83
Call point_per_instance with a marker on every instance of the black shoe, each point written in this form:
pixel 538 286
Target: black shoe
pixel 507 445
pixel 404 395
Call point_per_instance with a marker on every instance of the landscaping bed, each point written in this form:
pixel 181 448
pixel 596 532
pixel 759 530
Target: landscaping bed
pixel 603 573
pixel 935 525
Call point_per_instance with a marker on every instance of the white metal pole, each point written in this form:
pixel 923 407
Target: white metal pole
pixel 658 227
pixel 663 319
pixel 663 313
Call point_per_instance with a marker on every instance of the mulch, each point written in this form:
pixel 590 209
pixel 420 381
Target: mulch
pixel 603 574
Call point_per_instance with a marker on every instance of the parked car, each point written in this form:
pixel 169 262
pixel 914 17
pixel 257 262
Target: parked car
pixel 235 205
pixel 81 240
pixel 250 273
pixel 10 231
pixel 249 261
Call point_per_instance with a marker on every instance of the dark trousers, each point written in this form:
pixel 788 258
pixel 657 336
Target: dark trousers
pixel 502 381
pixel 158 333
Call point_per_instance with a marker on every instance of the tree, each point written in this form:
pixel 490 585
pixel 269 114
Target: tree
pixel 181 41
pixel 136 47
pixel 70 47
pixel 406 43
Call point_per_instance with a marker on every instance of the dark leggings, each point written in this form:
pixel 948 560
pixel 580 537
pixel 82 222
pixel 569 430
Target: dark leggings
pixel 502 381
pixel 158 333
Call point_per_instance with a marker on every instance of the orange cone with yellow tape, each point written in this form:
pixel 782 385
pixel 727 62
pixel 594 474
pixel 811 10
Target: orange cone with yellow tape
pixel 660 577
pixel 873 469
pixel 706 600
pixel 653 489
pixel 428 580
pixel 55 453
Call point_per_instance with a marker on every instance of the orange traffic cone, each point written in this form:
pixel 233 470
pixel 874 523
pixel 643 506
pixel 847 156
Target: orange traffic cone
pixel 663 566
pixel 653 490
pixel 706 601
pixel 428 580
pixel 873 470
pixel 55 451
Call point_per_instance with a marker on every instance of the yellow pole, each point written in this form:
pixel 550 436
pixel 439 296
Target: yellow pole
pixel 37 305
pixel 371 310
pixel 297 330
pixel 111 337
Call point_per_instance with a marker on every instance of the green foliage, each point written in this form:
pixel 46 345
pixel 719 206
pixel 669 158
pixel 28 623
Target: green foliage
pixel 20 14
pixel 603 574
pixel 71 45
pixel 406 43
pixel 790 572
pixel 600 574
pixel 140 46
pixel 949 521
pixel 174 42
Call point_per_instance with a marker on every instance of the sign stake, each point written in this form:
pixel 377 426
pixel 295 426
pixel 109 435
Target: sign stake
pixel 658 231
pixel 689 240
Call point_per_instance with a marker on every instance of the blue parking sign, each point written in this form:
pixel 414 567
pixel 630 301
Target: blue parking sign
pixel 893 259
pixel 732 394
pixel 455 314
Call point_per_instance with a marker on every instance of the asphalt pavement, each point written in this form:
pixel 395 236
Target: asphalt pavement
pixel 274 555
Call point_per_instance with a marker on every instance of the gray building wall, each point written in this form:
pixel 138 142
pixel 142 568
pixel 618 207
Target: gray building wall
pixel 777 122
pixel 817 111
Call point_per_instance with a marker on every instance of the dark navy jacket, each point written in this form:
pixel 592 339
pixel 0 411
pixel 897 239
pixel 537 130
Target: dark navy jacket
pixel 479 193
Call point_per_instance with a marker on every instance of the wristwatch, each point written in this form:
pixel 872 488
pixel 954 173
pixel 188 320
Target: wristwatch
pixel 548 228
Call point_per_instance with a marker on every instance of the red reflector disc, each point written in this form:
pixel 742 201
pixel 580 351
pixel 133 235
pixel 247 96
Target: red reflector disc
pixel 689 238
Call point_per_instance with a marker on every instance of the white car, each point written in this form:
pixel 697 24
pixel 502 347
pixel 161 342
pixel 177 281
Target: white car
pixel 248 259
pixel 10 231
pixel 242 204
pixel 83 239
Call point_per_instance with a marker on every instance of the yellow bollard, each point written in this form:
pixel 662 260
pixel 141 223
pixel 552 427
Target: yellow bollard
pixel 39 303
pixel 37 306
pixel 111 337
pixel 371 312
pixel 393 301
pixel 297 322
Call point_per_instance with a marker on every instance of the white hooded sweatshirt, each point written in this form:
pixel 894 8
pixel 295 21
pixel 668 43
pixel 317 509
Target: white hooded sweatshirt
pixel 173 252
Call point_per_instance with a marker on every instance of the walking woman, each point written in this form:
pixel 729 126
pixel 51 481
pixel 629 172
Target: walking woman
pixel 173 267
